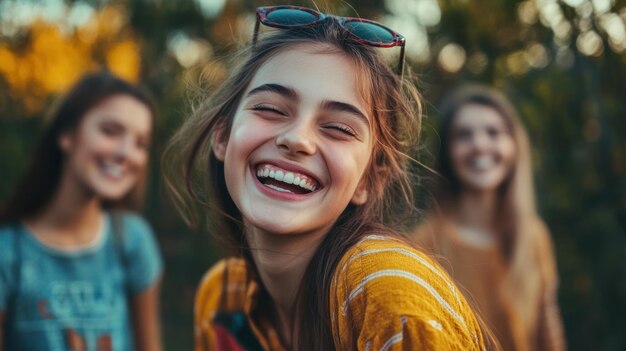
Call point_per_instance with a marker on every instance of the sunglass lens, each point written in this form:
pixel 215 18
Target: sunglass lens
pixel 291 17
pixel 370 32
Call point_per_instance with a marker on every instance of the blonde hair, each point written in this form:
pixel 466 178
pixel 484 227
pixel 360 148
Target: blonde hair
pixel 521 234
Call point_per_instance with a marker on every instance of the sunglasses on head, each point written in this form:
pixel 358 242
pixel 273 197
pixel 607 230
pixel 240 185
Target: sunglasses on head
pixel 362 31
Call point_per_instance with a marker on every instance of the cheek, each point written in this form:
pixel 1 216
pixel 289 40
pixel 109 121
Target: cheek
pixel 458 151
pixel 238 142
pixel 508 151
pixel 97 143
pixel 352 170
pixel 141 160
pixel 246 135
pixel 241 142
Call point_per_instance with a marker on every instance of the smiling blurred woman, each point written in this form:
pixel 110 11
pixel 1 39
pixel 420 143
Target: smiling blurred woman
pixel 484 225
pixel 78 272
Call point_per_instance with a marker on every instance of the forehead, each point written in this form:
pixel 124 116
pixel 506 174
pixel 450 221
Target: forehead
pixel 122 109
pixel 318 72
pixel 477 116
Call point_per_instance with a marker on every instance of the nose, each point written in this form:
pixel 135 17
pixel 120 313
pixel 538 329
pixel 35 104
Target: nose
pixel 481 141
pixel 297 139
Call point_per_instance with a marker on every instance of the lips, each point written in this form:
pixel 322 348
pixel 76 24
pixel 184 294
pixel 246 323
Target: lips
pixel 482 163
pixel 112 170
pixel 287 181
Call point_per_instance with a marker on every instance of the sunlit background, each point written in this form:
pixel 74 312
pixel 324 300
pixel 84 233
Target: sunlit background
pixel 563 63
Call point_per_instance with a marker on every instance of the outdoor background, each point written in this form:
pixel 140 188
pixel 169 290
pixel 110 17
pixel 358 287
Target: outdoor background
pixel 563 63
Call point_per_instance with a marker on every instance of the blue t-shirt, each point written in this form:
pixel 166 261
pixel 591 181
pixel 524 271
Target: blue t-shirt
pixel 75 300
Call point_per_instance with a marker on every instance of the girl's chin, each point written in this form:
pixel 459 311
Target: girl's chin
pixel 482 187
pixel 269 226
pixel 109 195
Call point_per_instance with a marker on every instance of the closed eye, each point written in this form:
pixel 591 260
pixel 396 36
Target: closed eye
pixel 495 132
pixel 267 108
pixel 143 144
pixel 341 128
pixel 111 129
pixel 463 134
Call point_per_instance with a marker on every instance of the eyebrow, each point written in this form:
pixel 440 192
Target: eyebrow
pixel 344 107
pixel 275 88
pixel 325 105
pixel 114 120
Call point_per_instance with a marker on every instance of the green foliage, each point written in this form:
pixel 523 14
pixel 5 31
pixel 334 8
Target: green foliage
pixel 572 105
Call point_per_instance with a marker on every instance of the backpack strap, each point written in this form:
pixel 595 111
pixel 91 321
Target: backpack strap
pixel 10 312
pixel 117 229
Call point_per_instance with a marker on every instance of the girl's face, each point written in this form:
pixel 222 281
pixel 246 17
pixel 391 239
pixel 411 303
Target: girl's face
pixel 299 144
pixel 482 148
pixel 107 153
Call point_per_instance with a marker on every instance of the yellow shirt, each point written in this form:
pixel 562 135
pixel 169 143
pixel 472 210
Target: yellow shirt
pixel 385 295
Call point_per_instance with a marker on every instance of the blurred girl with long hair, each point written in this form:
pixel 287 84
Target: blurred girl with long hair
pixel 483 224
pixel 301 156
pixel 78 269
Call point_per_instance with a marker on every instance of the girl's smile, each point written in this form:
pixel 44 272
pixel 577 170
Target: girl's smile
pixel 291 180
pixel 299 143
pixel 482 147
pixel 108 151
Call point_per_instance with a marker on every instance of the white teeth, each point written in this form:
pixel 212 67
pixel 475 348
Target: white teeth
pixel 113 170
pixel 278 188
pixel 279 176
pixel 483 162
pixel 288 178
pixel 285 177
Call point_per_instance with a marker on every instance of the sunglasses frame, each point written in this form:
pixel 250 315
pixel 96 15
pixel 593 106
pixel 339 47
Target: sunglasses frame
pixel 263 12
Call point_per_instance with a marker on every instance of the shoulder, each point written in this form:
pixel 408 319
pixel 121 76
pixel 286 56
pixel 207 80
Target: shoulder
pixel 134 232
pixel 7 244
pixel 379 263
pixel 8 263
pixel 227 275
pixel 544 248
pixel 7 231
pixel 430 233
pixel 139 249
pixel 543 236
pixel 383 285
pixel 131 223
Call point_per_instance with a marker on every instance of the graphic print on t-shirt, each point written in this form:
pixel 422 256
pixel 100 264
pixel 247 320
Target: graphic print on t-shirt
pixel 75 315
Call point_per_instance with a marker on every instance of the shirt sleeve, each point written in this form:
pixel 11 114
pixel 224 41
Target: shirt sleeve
pixel 143 259
pixel 389 296
pixel 7 266
pixel 206 305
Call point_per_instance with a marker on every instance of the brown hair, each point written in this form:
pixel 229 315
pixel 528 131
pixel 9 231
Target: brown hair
pixel 520 230
pixel 41 179
pixel 396 110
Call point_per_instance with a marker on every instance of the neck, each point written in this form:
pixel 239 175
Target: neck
pixel 72 217
pixel 476 209
pixel 282 260
pixel 474 218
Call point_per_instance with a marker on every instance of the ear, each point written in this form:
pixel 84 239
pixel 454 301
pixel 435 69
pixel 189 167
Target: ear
pixel 219 143
pixel 360 194
pixel 66 140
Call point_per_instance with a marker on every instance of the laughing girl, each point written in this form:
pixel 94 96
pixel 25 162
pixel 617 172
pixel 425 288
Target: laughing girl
pixel 485 225
pixel 307 180
pixel 78 271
